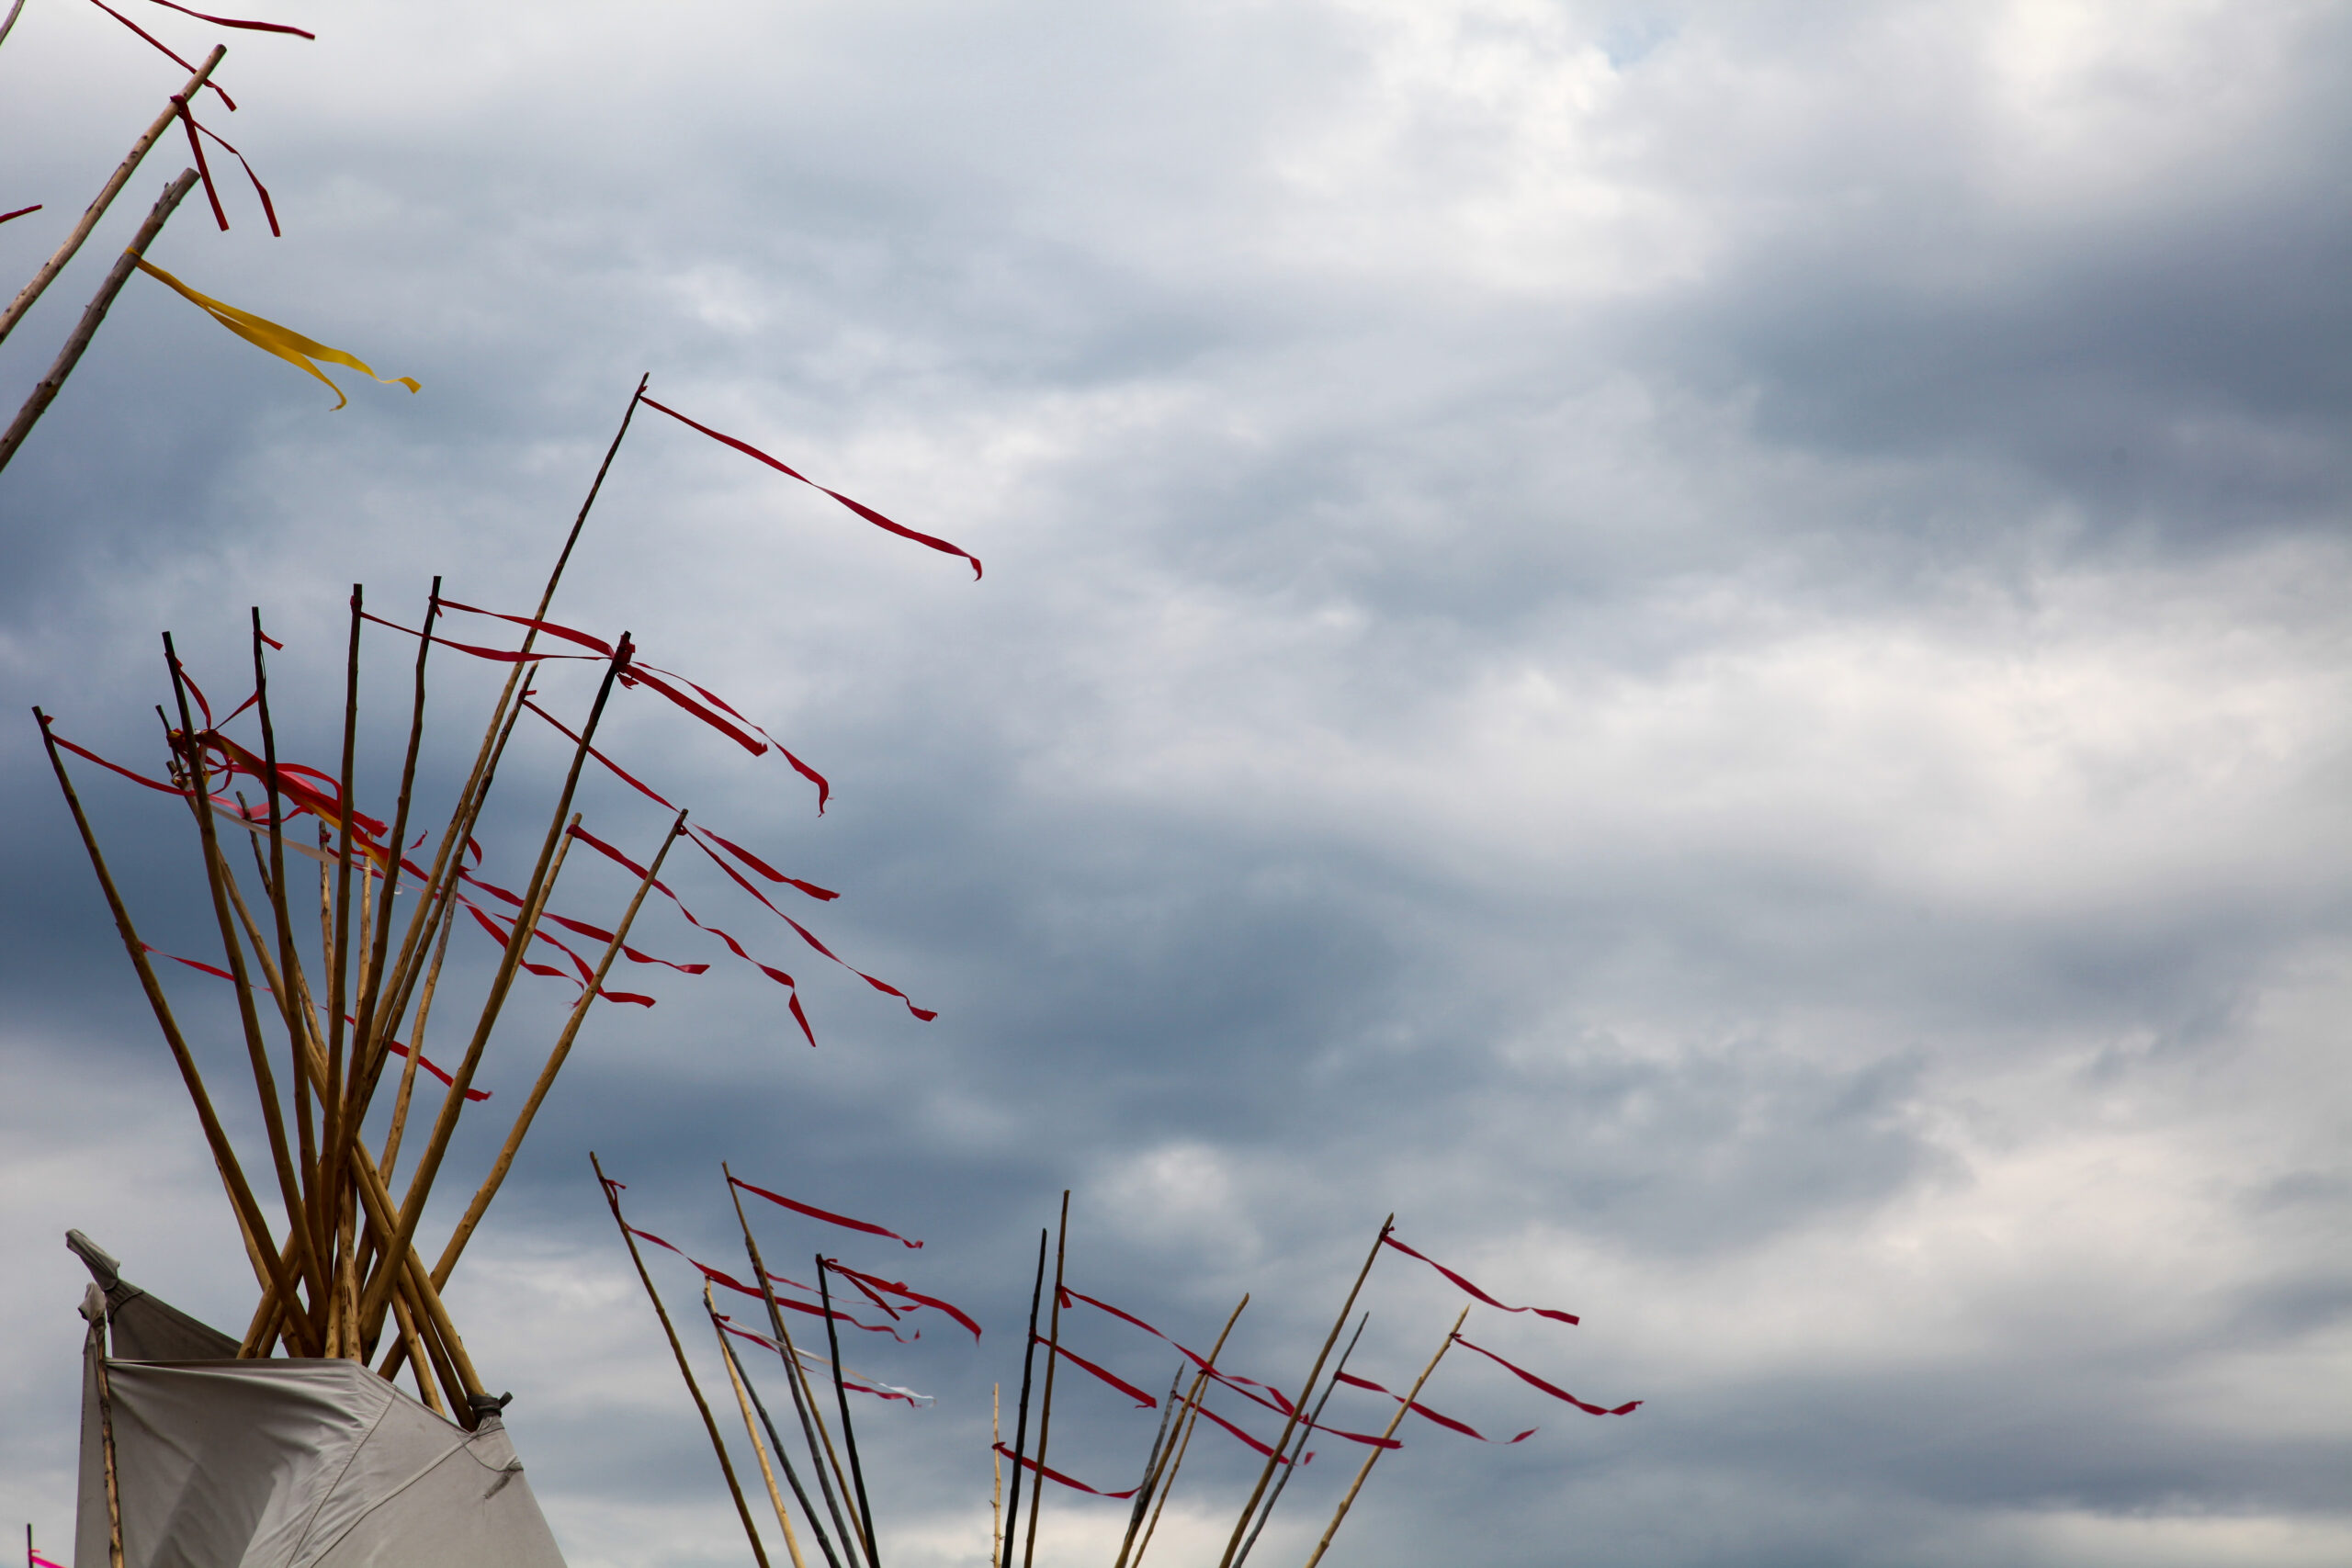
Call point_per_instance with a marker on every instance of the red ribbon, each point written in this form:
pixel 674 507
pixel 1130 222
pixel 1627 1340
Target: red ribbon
pixel 152 39
pixel 778 976
pixel 20 212
pixel 1420 1409
pixel 426 1063
pixel 1143 1401
pixel 859 507
pixel 1245 1438
pixel 195 146
pixel 1049 1473
pixel 767 1344
pixel 825 1214
pixel 1560 1394
pixel 1540 1311
pixel 870 1284
pixel 717 1278
pixel 233 22
pixel 269 208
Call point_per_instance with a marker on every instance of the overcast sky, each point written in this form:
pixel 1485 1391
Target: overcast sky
pixel 1702 646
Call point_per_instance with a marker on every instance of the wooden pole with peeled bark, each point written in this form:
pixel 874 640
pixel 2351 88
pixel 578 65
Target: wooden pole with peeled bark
pixel 45 391
pixel 105 198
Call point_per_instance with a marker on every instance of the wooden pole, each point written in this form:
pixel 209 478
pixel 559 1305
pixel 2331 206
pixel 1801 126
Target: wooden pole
pixel 791 1477
pixel 556 1059
pixel 750 1429
pixel 45 391
pixel 1046 1406
pixel 1313 1372
pixel 848 1431
pixel 105 1448
pixel 224 1155
pixel 996 1468
pixel 391 1156
pixel 333 1107
pixel 795 1378
pixel 1305 1432
pixel 368 1046
pixel 11 22
pixel 216 868
pixel 1021 1421
pixel 710 1424
pixel 105 198
pixel 416 1361
pixel 1171 1464
pixel 1373 1458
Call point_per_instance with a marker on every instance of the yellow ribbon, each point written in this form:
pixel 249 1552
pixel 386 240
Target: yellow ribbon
pixel 288 344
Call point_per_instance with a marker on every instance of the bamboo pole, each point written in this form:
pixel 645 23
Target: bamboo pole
pixel 503 714
pixel 367 1047
pixel 224 1155
pixel 337 1112
pixel 556 1059
pixel 1021 1421
pixel 105 198
pixel 996 1468
pixel 1274 1459
pixel 45 391
pixel 848 1431
pixel 391 1156
pixel 525 923
pixel 199 799
pixel 710 1423
pixel 791 1477
pixel 751 1429
pixel 1305 1433
pixel 1373 1458
pixel 795 1377
pixel 1171 1464
pixel 1053 1361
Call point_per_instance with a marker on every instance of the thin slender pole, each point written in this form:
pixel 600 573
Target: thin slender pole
pixel 367 1046
pixel 996 1470
pixel 1313 1372
pixel 11 22
pixel 790 1476
pixel 710 1423
pixel 556 1059
pixel 1046 1407
pixel 796 1376
pixel 105 1441
pixel 391 1156
pixel 45 391
pixel 1373 1458
pixel 1171 1464
pixel 758 1450
pixel 1151 1455
pixel 1305 1432
pixel 1020 1422
pixel 105 198
pixel 849 1432
pixel 337 1110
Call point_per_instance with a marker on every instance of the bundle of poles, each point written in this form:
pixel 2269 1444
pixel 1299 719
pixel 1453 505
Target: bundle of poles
pixel 341 1268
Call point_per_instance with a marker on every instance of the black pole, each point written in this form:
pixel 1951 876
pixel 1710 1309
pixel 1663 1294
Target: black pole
pixel 848 1433
pixel 815 1525
pixel 1306 1431
pixel 1021 1425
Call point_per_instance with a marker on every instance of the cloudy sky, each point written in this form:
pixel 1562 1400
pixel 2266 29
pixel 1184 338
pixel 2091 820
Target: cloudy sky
pixel 1702 646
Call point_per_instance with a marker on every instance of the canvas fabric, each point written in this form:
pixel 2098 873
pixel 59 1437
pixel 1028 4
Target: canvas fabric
pixel 290 1463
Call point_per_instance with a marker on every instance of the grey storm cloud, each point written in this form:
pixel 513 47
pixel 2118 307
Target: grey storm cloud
pixel 1700 646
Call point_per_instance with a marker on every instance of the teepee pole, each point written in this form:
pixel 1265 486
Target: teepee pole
pixel 1305 1432
pixel 224 1155
pixel 1172 1462
pixel 1045 1405
pixel 750 1429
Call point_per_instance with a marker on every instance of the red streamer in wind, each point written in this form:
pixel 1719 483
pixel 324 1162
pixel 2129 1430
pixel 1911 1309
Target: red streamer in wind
pixel 233 22
pixel 870 1284
pixel 848 1382
pixel 20 212
pixel 1540 1311
pixel 1049 1473
pixel 1560 1394
pixel 825 1214
pixel 195 146
pixel 778 976
pixel 152 39
pixel 426 1063
pixel 859 507
pixel 717 1278
pixel 268 207
pixel 1420 1409
pixel 1143 1401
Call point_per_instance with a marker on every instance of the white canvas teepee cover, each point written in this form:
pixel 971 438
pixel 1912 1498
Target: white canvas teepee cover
pixel 288 1464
